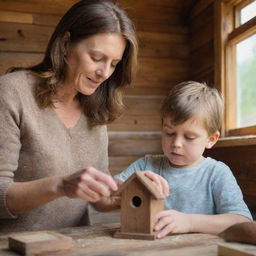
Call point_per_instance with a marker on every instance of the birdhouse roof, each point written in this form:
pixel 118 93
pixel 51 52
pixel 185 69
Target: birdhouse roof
pixel 150 185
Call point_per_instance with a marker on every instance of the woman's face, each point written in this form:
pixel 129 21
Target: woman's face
pixel 92 61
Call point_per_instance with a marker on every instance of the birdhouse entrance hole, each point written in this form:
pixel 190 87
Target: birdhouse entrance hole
pixel 136 201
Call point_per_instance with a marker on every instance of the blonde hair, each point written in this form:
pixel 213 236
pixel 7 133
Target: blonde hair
pixel 188 99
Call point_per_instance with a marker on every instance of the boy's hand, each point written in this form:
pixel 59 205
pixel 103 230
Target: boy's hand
pixel 171 221
pixel 160 182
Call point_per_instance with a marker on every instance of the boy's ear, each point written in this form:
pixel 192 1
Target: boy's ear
pixel 212 139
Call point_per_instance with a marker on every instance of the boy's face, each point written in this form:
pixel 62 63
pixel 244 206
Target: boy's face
pixel 185 143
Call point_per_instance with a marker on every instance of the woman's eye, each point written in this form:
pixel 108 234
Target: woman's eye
pixel 96 59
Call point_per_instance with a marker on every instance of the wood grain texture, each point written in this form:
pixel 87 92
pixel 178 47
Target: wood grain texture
pixel 135 219
pixel 241 232
pixel 24 37
pixel 19 59
pixel 236 249
pixel 33 243
pixel 57 7
pixel 98 240
pixel 241 160
pixel 140 202
pixel 6 16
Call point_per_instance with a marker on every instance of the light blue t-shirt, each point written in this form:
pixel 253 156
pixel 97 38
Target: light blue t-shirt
pixel 208 188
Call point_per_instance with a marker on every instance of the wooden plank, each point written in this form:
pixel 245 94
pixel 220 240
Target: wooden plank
pixel 236 141
pixel 243 31
pixel 31 243
pixel 45 19
pixel 155 26
pixel 203 36
pixel 242 131
pixel 160 87
pixel 96 217
pixel 162 11
pixel 162 44
pixel 240 233
pixel 206 76
pixel 16 17
pixel 161 69
pixel 142 114
pixel 24 37
pixel 205 17
pixel 200 6
pixel 119 163
pixel 236 249
pixel 29 18
pixel 58 7
pixel 241 160
pixel 17 59
pixel 135 146
pixel 202 59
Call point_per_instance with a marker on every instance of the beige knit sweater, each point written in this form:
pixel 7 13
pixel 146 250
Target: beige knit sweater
pixel 34 143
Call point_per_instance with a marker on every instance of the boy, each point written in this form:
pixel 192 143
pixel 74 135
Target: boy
pixel 205 196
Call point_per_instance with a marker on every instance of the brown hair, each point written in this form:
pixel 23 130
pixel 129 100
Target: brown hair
pixel 189 99
pixel 84 19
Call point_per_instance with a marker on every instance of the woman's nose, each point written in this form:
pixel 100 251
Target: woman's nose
pixel 103 71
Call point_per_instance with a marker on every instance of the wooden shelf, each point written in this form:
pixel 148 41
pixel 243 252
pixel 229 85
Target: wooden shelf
pixel 235 141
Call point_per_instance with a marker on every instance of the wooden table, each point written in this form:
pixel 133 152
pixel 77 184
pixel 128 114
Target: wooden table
pixel 98 240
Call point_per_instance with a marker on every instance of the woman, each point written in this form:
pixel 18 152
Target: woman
pixel 53 120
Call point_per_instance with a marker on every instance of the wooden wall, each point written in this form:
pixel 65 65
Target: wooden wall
pixel 200 22
pixel 240 158
pixel 26 25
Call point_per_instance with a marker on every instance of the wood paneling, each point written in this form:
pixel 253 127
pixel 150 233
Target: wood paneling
pixel 120 163
pixel 19 37
pixel 57 7
pixel 29 18
pixel 162 45
pixel 201 60
pixel 134 144
pixel 163 11
pixel 19 59
pixel 201 32
pixel 6 16
pixel 141 114
pixel 241 160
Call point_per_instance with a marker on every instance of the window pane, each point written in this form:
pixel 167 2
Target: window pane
pixel 248 12
pixel 246 82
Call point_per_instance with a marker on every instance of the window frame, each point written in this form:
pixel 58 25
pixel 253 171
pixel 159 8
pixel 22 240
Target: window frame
pixel 228 32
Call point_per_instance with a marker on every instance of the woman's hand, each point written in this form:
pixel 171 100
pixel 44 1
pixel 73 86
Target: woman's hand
pixel 172 221
pixel 159 181
pixel 89 184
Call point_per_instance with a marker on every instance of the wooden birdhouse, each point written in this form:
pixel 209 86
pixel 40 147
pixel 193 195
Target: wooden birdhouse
pixel 140 202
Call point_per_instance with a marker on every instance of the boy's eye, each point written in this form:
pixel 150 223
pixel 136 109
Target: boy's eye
pixel 169 133
pixel 190 138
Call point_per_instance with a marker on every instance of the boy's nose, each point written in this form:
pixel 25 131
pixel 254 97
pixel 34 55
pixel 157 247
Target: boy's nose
pixel 177 142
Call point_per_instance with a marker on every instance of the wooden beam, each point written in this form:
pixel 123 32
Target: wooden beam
pixel 245 30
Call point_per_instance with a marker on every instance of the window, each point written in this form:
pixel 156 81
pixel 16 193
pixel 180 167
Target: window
pixel 235 63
